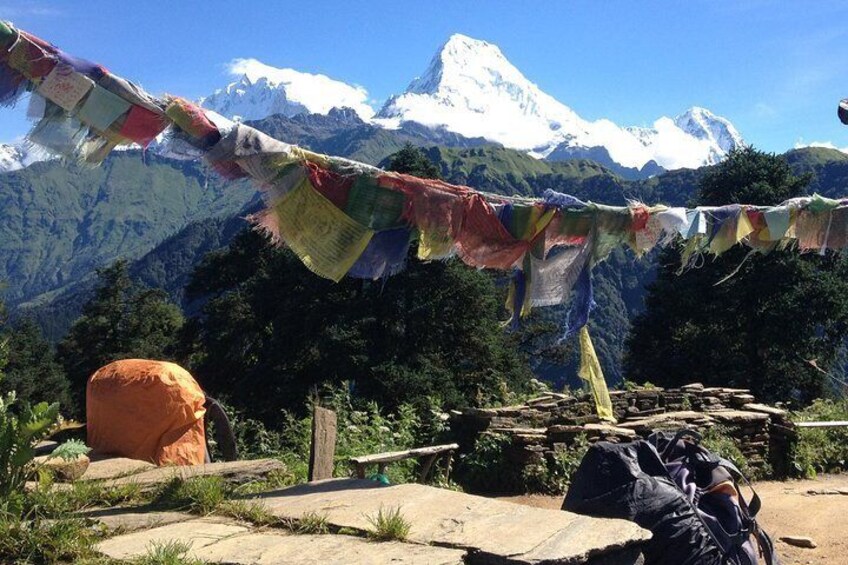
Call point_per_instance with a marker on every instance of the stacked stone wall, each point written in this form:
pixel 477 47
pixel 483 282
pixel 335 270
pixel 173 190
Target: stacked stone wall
pixel 551 422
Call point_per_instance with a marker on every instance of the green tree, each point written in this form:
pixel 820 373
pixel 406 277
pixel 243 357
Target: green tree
pixel 271 331
pixel 32 370
pixel 759 328
pixel 123 320
pixel 412 160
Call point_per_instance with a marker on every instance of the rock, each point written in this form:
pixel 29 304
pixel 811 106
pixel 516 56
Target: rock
pixel 237 472
pixel 196 533
pixel 45 447
pixel 494 530
pixel 64 471
pixel 130 520
pixel 693 387
pixel 799 541
pixel 114 467
pixel 770 410
pixel 739 417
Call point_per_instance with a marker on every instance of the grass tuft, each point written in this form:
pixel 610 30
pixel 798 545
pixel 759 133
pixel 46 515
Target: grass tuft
pixel 168 553
pixel 199 495
pixel 388 525
pixel 248 511
pixel 311 523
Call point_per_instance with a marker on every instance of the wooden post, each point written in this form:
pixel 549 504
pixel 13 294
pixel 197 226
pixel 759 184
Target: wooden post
pixel 322 452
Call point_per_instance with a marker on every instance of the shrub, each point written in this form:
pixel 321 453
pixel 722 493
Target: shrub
pixel 489 469
pixel 718 440
pixel 34 539
pixel 389 525
pixel 821 450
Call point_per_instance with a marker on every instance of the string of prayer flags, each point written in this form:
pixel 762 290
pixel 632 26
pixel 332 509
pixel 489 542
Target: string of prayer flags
pixel 344 218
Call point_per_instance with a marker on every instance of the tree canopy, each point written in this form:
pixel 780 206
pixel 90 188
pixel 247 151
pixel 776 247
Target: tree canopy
pixel 271 331
pixel 123 320
pixel 760 327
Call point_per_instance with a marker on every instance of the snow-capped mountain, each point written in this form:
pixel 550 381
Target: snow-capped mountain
pixel 263 90
pixel 15 156
pixel 472 89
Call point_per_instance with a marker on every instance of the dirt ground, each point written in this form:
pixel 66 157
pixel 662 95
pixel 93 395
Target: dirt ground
pixel 788 510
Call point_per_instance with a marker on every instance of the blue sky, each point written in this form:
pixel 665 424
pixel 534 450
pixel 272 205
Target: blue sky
pixel 775 69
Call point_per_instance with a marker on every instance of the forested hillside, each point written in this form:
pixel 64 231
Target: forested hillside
pixel 60 222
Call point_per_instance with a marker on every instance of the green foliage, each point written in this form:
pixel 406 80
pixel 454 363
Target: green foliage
pixel 412 160
pixel 718 440
pixel 272 331
pixel 388 525
pixel 490 469
pixel 487 468
pixel 121 321
pixel 201 495
pixel 40 541
pixel 50 502
pixel 21 427
pixel 735 333
pixel 167 553
pixel 247 511
pixel 59 222
pixel 32 370
pixel 71 449
pixel 821 450
pixel 311 523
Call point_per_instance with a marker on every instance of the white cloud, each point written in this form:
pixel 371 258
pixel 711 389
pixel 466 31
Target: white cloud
pixel 800 144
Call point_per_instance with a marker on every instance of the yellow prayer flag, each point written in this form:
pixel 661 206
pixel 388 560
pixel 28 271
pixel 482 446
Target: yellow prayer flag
pixel 590 371
pixel 326 239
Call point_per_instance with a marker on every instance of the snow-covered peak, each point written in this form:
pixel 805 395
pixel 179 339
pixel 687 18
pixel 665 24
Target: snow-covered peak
pixel 472 89
pixel 263 90
pixel 703 124
pixel 16 156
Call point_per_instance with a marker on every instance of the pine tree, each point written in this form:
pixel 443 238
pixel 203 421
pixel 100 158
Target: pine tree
pixel 123 320
pixel 759 328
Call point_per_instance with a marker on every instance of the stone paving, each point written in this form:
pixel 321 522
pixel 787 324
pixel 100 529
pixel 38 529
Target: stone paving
pixel 447 527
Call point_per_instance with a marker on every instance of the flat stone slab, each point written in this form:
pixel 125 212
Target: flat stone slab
pixel 232 471
pixel 197 533
pixel 273 548
pixel 114 467
pixel 224 541
pixel 133 519
pixel 495 531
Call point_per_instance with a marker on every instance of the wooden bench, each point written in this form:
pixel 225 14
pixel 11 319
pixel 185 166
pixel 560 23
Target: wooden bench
pixel 836 424
pixel 429 454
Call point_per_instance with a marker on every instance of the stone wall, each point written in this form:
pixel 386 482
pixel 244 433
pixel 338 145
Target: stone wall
pixel 552 421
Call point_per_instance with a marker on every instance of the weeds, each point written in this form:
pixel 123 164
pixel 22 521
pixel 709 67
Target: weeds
pixel 39 540
pixel 311 523
pixel 167 553
pixel 821 450
pixel 199 495
pixel 388 525
pixel 248 511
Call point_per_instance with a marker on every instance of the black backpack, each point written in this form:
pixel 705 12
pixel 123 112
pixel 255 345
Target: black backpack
pixel 687 496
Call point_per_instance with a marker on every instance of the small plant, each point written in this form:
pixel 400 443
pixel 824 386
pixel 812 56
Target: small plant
pixel 200 495
pixel 821 450
pixel 33 539
pixel 718 440
pixel 168 553
pixel 311 523
pixel 81 495
pixel 388 525
pixel 248 511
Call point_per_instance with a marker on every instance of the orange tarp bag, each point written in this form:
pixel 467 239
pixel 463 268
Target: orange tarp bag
pixel 148 410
